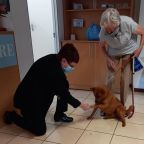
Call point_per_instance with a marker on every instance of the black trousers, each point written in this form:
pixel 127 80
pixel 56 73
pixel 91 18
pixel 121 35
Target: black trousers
pixel 33 119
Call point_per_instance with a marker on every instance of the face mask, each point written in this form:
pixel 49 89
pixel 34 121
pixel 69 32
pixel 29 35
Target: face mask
pixel 68 69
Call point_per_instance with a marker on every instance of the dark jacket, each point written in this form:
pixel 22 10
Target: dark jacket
pixel 44 79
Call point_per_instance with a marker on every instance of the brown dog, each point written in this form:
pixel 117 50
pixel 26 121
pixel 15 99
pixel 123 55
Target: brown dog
pixel 110 105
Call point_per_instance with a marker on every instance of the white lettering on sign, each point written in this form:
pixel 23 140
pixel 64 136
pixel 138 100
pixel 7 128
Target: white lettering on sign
pixel 6 50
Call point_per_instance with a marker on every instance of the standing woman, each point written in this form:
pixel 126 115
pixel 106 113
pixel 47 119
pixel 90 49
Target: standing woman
pixel 117 39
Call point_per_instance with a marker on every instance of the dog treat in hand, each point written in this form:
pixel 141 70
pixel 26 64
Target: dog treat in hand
pixel 85 106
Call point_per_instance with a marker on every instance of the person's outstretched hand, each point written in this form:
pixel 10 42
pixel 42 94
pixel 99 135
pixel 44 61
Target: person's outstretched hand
pixel 85 106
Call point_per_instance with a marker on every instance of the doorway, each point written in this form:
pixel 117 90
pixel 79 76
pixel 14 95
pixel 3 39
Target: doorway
pixel 43 27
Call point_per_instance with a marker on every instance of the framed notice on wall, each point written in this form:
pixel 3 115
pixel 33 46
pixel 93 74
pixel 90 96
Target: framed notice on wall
pixel 8 55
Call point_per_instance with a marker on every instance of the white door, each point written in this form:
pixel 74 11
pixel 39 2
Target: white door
pixel 42 27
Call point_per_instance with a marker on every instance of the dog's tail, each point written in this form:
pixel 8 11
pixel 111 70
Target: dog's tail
pixel 130 111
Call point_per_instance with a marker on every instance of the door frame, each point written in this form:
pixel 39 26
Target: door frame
pixel 56 25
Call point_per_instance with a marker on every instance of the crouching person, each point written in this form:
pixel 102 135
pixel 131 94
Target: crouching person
pixel 34 95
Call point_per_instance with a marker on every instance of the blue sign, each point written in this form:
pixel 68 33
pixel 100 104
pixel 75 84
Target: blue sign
pixel 7 50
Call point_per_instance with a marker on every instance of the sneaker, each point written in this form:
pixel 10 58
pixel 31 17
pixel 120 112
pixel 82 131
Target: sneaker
pixel 8 117
pixel 63 118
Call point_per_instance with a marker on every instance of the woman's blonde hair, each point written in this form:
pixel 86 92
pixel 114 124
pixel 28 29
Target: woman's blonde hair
pixel 110 16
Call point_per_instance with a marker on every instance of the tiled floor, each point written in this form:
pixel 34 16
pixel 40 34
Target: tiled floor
pixel 83 131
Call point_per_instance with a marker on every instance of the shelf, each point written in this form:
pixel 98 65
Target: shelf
pixel 89 13
pixel 84 10
pixel 92 10
pixel 80 41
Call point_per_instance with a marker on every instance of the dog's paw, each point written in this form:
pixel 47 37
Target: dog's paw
pixel 123 124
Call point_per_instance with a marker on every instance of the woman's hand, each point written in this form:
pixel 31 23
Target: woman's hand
pixel 139 31
pixel 85 106
pixel 137 52
pixel 111 65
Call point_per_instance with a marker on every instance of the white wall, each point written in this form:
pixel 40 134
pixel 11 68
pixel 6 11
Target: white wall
pixel 20 21
pixel 141 17
pixel 138 75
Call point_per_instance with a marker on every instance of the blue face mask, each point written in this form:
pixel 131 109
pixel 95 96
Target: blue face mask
pixel 68 69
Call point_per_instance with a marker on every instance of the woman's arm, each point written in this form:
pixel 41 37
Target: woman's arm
pixel 139 31
pixel 110 63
